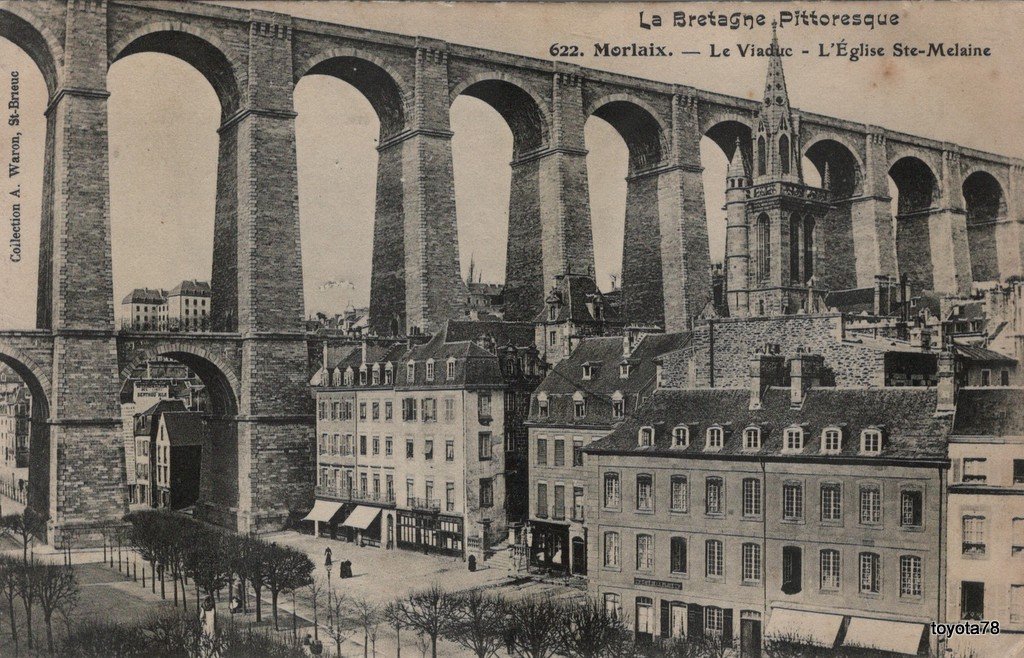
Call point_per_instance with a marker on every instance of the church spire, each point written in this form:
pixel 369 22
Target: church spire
pixel 775 145
pixel 738 164
pixel 775 81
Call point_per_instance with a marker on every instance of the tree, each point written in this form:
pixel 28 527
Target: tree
pixel 367 616
pixel 27 590
pixel 315 590
pixel 57 590
pixel 477 625
pixel 530 627
pixel 336 610
pixel 26 526
pixel 252 562
pixel 10 574
pixel 588 630
pixel 429 612
pixel 394 614
pixel 206 561
pixel 286 570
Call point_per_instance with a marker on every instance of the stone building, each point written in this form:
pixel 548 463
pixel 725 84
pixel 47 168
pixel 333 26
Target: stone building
pixel 177 450
pixel 15 436
pixel 185 308
pixel 785 508
pixel 582 398
pixel 575 308
pixel 140 459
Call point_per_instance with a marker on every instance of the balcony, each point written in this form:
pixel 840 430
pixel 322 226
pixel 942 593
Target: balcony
pixel 354 495
pixel 428 504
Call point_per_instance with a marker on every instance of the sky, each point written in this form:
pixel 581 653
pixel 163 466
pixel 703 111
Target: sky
pixel 163 117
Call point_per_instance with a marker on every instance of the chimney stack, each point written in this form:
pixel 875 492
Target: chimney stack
pixel 804 372
pixel 767 368
pixel 947 383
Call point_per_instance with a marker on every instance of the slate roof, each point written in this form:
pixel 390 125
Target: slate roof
pixel 185 428
pixel 574 291
pixel 517 334
pixel 145 296
pixel 163 406
pixel 191 288
pixel 981 354
pixel 604 355
pixel 989 411
pixel 854 300
pixel 911 429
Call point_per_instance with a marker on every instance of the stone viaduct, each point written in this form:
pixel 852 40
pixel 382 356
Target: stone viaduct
pixel 959 219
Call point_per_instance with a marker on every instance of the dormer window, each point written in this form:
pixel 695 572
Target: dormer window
pixel 410 371
pixel 831 441
pixel 624 371
pixel 542 405
pixel 871 442
pixel 618 406
pixel 376 374
pixel 680 436
pixel 714 438
pixel 793 439
pixel 349 375
pixel 645 438
pixel 389 374
pixel 552 312
pixel 579 406
pixel 362 376
pixel 449 372
pixel 430 370
pixel 588 371
pixel 752 438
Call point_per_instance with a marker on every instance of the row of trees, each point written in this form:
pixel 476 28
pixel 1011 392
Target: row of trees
pixel 182 548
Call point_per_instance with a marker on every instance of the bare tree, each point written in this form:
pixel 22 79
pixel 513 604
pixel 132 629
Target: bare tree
pixel 27 590
pixel 316 591
pixel 367 616
pixel 394 614
pixel 531 626
pixel 57 590
pixel 588 630
pixel 337 608
pixel 477 625
pixel 10 575
pixel 26 526
pixel 429 612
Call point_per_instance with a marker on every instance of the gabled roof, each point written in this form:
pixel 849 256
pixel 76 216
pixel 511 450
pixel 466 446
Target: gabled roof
pixel 145 296
pixel 163 406
pixel 185 428
pixel 516 334
pixel 911 429
pixel 989 411
pixel 573 292
pixel 981 355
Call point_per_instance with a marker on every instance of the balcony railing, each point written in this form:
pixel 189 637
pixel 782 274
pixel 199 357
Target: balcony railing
pixel 429 504
pixel 355 495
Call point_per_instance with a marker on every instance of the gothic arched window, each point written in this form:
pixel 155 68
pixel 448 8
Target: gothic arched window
pixel 760 156
pixel 794 249
pixel 808 248
pixel 764 246
pixel 784 153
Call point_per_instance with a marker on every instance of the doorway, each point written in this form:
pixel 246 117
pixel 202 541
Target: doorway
pixel 750 636
pixel 972 600
pixel 579 556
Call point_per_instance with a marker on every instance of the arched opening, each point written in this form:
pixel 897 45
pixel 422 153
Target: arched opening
pixel 351 206
pixel 717 147
pixel 836 168
pixel 25 433
pixel 986 207
pixel 607 174
pixel 165 178
pixel 524 264
pixel 829 164
pixel 913 189
pixel 640 258
pixel 25 50
pixel 190 458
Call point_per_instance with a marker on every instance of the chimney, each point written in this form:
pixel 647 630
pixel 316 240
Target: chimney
pixel 882 295
pixel 363 346
pixel 947 383
pixel 804 372
pixel 767 368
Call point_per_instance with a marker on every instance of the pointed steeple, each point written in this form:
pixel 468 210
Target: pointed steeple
pixel 776 98
pixel 775 146
pixel 738 164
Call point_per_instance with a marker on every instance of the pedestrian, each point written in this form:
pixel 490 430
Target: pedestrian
pixel 307 645
pixel 327 558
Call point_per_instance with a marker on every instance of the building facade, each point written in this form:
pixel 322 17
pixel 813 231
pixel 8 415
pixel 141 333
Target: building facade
pixel 15 436
pixel 185 308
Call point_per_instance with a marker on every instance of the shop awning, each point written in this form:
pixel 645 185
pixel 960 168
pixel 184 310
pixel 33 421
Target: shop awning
pixel 802 627
pixel 897 636
pixel 323 510
pixel 361 517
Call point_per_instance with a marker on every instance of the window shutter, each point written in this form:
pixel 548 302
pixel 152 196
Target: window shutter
pixel 695 621
pixel 666 619
pixel 727 627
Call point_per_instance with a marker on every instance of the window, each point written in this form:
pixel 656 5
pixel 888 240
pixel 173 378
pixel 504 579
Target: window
pixel 680 492
pixel 1018 471
pixel 483 406
pixel 429 410
pixel 389 375
pixel 910 508
pixel 362 483
pixel 376 445
pixel 1017 546
pixel 644 552
pixel 449 410
pixel 577 503
pixel 362 411
pixel 793 439
pixel 579 406
pixel 410 487
pixel 974 535
pixel 334 411
pixel 542 406
pixel 713 567
pixel 644 493
pixel 792 501
pixel 559 452
pixel 974 470
pixel 612 490
pixel 449 497
pixel 323 444
pixel 830 569
pixel 362 444
pixel 376 375
pixel 428 449
pixel 1004 377
pixel 678 554
pixel 713 439
pixel 430 370
pixel 428 491
pixel 410 371
pixel 409 449
pixel 751 563
pixel 645 437
pixel 577 452
pixel 611 549
pixel 910 575
pixel 870 573
pixel 588 372
pixel 714 621
pixel 485 446
pixel 362 376
pixel 713 494
pixel 871 442
pixel 552 335
pixel 449 372
pixel 752 438
pixel 751 497
pixel 449 450
pixel 388 446
pixel 831 503
pixel 542 499
pixel 870 505
pixel 792 570
pixel 389 410
pixel 542 452
pixel 408 408
pixel 831 441
pixel 323 411
pixel 623 371
pixel 487 492
pixel 613 603
pixel 618 408
pixel 986 377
